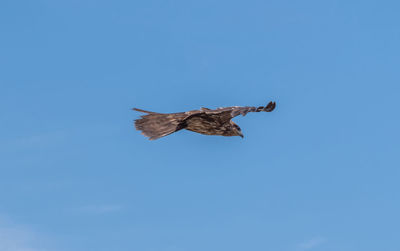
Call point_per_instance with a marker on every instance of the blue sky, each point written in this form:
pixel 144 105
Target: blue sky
pixel 321 172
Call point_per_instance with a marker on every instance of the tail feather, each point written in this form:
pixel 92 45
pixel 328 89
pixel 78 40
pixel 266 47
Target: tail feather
pixel 156 125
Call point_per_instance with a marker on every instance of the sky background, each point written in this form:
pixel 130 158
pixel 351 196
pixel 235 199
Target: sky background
pixel 320 173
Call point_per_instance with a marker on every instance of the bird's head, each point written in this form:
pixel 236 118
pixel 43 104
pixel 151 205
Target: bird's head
pixel 236 130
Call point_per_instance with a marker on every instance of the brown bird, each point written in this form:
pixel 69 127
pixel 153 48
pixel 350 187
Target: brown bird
pixel 205 121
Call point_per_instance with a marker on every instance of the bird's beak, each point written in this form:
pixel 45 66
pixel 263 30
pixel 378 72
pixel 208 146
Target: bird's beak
pixel 241 135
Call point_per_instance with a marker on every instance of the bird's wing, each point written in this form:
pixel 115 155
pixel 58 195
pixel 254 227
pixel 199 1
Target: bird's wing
pixel 227 113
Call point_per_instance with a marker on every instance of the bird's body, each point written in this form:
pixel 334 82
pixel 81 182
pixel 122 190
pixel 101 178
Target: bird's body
pixel 205 121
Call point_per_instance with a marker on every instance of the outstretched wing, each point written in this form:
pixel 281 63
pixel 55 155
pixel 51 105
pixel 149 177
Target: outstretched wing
pixel 244 110
pixel 227 113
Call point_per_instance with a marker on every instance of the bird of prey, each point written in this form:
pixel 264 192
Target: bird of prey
pixel 205 121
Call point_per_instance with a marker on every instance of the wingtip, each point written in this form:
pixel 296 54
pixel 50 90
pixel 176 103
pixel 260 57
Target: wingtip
pixel 270 107
pixel 140 110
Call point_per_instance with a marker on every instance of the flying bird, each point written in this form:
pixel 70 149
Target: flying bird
pixel 205 121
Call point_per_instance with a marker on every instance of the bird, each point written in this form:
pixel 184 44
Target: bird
pixel 205 121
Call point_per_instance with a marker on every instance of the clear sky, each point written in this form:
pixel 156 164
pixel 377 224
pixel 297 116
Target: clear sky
pixel 320 173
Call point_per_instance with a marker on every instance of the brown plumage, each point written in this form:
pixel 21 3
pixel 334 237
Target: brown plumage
pixel 205 121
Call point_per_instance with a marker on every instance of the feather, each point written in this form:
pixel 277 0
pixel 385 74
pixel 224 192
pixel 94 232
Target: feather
pixel 155 125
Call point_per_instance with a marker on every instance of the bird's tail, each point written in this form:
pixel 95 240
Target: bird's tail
pixel 156 125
